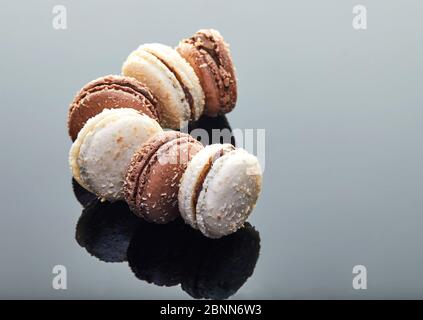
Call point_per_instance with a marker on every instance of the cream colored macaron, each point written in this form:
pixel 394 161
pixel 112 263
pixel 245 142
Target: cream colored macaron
pixel 219 189
pixel 171 79
pixel 103 149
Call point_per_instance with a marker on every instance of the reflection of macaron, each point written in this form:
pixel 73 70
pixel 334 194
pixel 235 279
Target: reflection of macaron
pixel 105 229
pixel 209 55
pixel 219 189
pixel 171 79
pixel 152 180
pixel 205 268
pixel 100 155
pixel 222 266
pixel 159 253
pixel 107 93
pixel 84 197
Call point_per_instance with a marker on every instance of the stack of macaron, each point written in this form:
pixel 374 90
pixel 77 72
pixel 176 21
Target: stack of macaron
pixel 120 151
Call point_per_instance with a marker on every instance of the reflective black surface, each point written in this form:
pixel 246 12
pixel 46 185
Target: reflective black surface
pixel 171 254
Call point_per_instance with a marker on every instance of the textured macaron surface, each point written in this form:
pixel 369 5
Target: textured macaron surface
pixel 106 93
pixel 148 65
pixel 230 192
pixel 153 177
pixel 209 55
pixel 184 73
pixel 193 179
pixel 102 152
pixel 219 190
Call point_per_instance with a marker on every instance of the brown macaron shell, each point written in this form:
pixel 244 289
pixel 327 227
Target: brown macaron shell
pixel 153 178
pixel 110 92
pixel 209 55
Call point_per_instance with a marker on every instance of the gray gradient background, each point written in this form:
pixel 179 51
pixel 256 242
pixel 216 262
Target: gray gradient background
pixel 342 110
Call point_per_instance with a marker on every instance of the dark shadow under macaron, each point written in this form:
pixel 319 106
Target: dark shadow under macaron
pixel 110 92
pixel 209 56
pixel 153 177
pixel 217 128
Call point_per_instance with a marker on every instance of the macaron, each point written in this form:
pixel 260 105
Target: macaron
pixel 110 92
pixel 103 149
pixel 209 55
pixel 153 177
pixel 219 189
pixel 171 79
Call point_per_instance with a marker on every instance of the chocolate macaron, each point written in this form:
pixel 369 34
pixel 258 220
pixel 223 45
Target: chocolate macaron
pixel 110 92
pixel 153 177
pixel 209 55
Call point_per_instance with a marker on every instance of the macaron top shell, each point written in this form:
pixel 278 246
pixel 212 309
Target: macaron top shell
pixel 153 177
pixel 146 65
pixel 218 192
pixel 101 154
pixel 209 55
pixel 87 129
pixel 106 93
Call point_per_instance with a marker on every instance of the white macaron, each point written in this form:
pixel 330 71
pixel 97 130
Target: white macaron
pixel 219 189
pixel 171 79
pixel 103 149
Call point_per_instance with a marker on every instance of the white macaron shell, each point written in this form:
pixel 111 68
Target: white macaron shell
pixel 89 127
pixel 107 150
pixel 186 73
pixel 229 194
pixel 190 179
pixel 146 68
